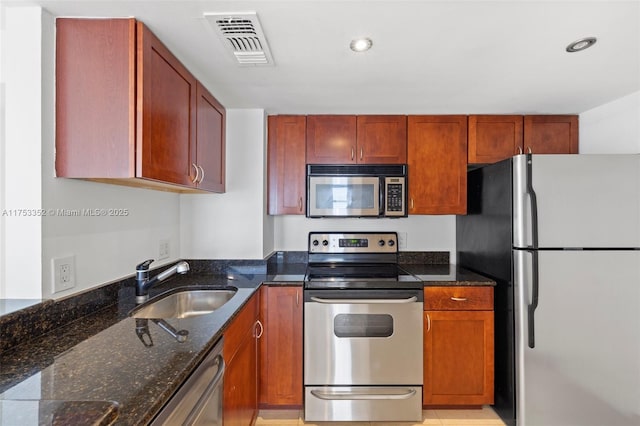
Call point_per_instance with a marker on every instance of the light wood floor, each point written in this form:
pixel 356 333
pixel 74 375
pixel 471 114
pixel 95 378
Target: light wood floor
pixel 485 416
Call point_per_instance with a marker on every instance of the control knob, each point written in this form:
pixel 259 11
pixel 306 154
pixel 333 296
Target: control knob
pixel 391 243
pixel 325 242
pixel 381 243
pixel 315 242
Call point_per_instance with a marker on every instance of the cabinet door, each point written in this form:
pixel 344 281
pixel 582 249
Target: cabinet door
pixel 458 358
pixel 286 164
pixel 382 139
pixel 210 139
pixel 331 139
pixel 437 161
pixel 240 352
pixel 494 137
pixel 240 385
pixel 551 134
pixel 281 354
pixel 166 120
pixel 95 98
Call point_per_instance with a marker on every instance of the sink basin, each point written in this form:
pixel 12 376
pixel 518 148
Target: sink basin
pixel 183 303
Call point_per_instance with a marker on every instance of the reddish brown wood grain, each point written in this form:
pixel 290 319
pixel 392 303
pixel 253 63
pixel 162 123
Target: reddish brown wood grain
pixel 437 162
pixel 458 298
pixel 95 98
pixel 281 356
pixel 210 139
pixel 166 113
pixel 286 164
pixel 331 139
pixel 459 358
pixel 240 353
pixel 381 139
pixel 551 134
pixel 494 137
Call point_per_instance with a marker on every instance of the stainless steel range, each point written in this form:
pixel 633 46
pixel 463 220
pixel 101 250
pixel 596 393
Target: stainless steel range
pixel 362 330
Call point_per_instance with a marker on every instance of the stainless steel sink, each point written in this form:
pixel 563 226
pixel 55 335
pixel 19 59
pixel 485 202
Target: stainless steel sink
pixel 183 303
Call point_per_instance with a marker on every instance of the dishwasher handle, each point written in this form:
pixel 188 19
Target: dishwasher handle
pixel 411 299
pixel 202 402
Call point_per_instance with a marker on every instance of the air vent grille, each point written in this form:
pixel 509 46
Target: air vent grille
pixel 242 35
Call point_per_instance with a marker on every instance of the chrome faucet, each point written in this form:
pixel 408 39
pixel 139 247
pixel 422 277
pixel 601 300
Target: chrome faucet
pixel 143 283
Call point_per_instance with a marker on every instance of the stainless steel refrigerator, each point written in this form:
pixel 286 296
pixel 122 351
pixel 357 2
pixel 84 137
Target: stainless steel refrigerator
pixel 560 234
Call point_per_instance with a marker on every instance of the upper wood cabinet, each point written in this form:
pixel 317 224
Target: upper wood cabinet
pixel 331 139
pixel 494 137
pixel 127 110
pixel 551 134
pixel 437 154
pixel 286 164
pixel 382 139
pixel 350 139
pixel 210 135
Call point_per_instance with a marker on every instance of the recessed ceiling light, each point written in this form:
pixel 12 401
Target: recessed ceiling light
pixel 581 44
pixel 361 44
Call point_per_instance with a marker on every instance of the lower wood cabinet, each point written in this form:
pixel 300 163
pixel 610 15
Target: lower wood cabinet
pixel 458 346
pixel 281 347
pixel 240 353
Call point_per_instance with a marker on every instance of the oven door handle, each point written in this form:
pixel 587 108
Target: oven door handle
pixel 412 299
pixel 361 395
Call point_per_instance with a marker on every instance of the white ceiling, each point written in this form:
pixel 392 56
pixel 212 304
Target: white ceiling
pixel 433 57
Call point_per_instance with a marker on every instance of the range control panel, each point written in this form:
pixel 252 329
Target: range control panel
pixel 353 242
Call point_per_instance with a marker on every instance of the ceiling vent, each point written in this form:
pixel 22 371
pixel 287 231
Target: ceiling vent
pixel 242 35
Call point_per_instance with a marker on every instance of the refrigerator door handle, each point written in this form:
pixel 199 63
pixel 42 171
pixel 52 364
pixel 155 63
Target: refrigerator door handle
pixel 534 202
pixel 534 298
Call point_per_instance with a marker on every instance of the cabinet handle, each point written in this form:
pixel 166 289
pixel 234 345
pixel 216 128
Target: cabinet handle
pixel 259 335
pixel 297 298
pixel 352 153
pixel 412 203
pixel 428 323
pixel 195 179
pixel 459 299
pixel 529 150
pixel 519 150
pixel 361 153
pixel 201 177
pixel 300 204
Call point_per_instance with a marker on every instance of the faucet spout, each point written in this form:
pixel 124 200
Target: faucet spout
pixel 143 283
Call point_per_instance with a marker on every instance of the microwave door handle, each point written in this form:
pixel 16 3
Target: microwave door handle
pixel 382 197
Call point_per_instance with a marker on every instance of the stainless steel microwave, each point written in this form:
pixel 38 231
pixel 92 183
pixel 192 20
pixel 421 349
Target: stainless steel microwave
pixel 376 190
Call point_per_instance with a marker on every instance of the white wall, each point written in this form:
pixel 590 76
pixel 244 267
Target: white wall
pixel 612 128
pixel 424 233
pixel 21 76
pixel 232 225
pixel 106 248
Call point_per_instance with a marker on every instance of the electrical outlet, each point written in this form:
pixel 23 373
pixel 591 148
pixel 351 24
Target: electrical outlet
pixel 402 240
pixel 64 273
pixel 163 249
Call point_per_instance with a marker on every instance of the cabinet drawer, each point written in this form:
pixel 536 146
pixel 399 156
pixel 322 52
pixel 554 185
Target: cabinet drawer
pixel 240 327
pixel 456 298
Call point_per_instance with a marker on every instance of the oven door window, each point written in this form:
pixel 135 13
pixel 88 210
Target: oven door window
pixel 363 325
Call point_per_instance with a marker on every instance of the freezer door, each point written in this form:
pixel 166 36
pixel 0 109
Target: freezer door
pixel 584 368
pixel 590 201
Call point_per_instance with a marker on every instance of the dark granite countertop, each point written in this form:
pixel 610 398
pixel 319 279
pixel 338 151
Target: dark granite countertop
pixel 447 275
pixel 97 368
pixel 100 359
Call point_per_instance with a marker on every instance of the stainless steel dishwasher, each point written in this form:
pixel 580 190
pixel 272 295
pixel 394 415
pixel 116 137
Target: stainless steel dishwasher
pixel 199 399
